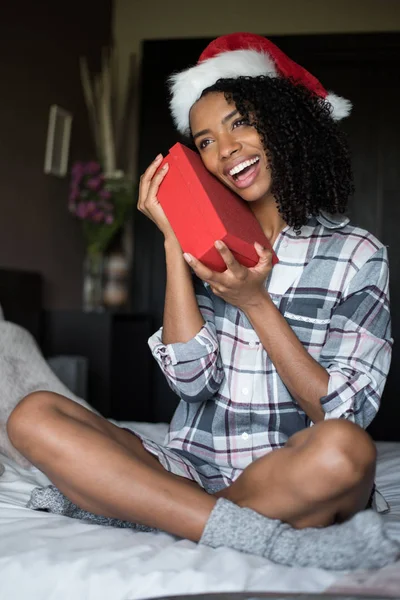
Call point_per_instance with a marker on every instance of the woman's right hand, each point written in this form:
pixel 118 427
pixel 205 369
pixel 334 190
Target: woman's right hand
pixel 148 203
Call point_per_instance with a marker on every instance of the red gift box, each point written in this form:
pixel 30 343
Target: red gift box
pixel 202 210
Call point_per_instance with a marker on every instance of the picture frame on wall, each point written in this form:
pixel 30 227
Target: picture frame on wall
pixel 58 141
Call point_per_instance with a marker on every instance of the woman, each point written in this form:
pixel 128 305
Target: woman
pixel 256 355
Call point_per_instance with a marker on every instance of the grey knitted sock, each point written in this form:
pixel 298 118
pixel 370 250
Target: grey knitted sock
pixel 50 499
pixel 360 543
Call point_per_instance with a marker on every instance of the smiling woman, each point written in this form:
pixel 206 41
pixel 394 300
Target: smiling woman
pixel 271 124
pixel 230 147
pixel 256 354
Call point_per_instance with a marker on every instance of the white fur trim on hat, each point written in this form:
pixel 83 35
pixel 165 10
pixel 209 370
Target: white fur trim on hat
pixel 341 108
pixel 187 86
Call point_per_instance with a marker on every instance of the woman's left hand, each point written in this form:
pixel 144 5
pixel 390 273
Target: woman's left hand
pixel 238 285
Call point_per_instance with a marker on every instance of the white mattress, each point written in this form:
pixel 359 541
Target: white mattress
pixel 44 556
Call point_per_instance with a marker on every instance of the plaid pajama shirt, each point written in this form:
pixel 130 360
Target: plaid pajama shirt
pixel 331 285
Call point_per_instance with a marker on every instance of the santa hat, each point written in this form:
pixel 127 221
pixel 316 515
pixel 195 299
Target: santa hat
pixel 241 54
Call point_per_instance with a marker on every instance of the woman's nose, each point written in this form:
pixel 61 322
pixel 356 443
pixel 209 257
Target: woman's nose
pixel 228 145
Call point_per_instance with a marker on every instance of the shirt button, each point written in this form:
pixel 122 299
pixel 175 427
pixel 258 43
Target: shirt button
pixel 245 436
pixel 245 391
pixel 252 344
pixel 167 360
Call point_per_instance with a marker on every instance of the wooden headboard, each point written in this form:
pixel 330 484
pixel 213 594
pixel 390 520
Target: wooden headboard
pixel 21 299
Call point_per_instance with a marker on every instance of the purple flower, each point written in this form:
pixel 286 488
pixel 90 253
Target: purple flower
pixel 74 194
pixel 105 194
pixel 81 210
pixel 91 207
pixel 77 174
pixel 98 216
pixel 77 170
pixel 94 183
pixel 92 167
pixel 109 219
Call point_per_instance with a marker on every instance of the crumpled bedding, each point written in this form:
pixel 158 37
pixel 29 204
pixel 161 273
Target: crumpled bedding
pixel 52 557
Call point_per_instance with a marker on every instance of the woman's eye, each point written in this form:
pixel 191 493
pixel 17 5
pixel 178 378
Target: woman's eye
pixel 240 122
pixel 204 143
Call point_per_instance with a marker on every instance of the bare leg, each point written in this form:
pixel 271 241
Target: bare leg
pixel 324 473
pixel 104 469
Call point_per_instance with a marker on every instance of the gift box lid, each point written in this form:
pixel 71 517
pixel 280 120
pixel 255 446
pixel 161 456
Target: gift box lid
pixel 202 210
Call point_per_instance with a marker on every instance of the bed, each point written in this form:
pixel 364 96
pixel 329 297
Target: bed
pixel 47 556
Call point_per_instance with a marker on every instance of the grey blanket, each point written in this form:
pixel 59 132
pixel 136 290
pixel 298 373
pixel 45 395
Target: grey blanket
pixel 23 369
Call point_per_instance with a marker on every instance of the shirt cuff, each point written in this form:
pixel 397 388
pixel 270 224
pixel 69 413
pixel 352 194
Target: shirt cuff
pixel 203 344
pixel 342 390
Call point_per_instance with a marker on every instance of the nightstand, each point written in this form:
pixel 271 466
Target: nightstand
pixel 119 361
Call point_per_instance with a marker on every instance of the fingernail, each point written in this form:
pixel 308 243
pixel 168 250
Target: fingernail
pixel 165 167
pixel 158 157
pixel 219 245
pixel 188 257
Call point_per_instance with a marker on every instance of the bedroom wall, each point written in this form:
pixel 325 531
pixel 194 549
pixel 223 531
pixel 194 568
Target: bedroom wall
pixel 40 44
pixel 135 20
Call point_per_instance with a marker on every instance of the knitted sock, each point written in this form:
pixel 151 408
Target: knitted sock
pixel 50 499
pixel 359 543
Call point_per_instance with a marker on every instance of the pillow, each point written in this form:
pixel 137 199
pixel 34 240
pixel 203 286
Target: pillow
pixel 23 370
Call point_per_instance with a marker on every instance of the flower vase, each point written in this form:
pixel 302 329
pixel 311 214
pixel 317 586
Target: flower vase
pixel 93 272
pixel 116 289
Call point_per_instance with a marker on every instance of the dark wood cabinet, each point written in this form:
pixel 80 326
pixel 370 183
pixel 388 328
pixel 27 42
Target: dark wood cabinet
pixel 21 299
pixel 120 364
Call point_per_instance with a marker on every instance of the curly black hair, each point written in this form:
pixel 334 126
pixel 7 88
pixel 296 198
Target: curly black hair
pixel 307 151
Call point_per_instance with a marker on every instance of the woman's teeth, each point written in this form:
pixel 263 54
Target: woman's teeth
pixel 240 167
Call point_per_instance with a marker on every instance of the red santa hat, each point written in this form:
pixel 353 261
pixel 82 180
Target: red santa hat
pixel 241 54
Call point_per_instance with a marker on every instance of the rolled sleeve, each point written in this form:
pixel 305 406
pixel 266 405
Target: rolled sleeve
pixel 193 369
pixel 357 352
pixel 201 346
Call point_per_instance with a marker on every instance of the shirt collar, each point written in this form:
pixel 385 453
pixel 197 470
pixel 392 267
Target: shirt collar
pixel 329 221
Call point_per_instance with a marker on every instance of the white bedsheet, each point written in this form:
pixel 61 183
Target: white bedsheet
pixel 44 556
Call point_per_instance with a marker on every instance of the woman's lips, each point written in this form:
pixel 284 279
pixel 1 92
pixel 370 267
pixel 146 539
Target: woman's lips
pixel 246 179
